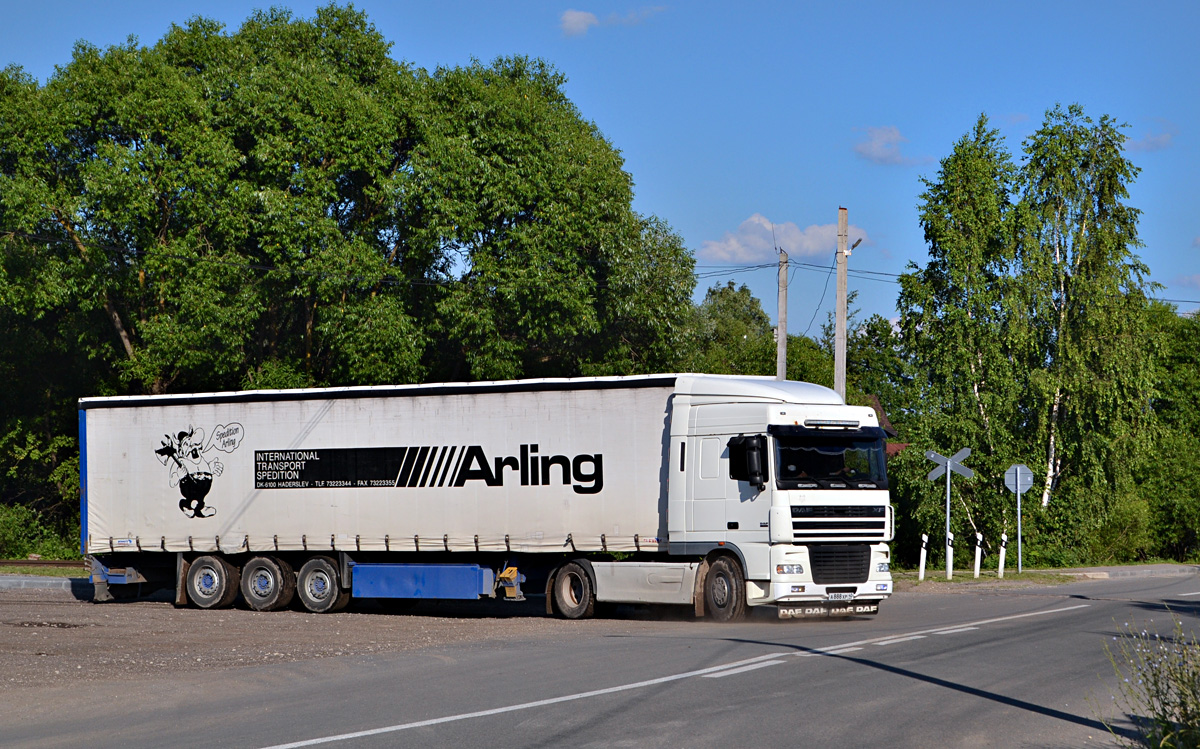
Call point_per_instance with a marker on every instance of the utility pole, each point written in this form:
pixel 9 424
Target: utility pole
pixel 781 330
pixel 839 335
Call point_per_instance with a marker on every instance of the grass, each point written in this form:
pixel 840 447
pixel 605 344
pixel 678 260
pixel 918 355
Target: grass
pixel 80 571
pixel 967 576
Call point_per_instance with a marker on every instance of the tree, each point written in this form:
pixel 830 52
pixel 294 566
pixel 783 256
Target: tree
pixel 731 333
pixel 286 205
pixel 1088 344
pixel 1166 473
pixel 955 328
pixel 526 209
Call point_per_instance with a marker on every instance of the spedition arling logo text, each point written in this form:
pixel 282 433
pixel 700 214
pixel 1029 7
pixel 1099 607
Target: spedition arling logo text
pixel 422 467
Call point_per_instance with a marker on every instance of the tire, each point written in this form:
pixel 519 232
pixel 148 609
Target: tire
pixel 725 590
pixel 318 586
pixel 212 582
pixel 267 583
pixel 573 594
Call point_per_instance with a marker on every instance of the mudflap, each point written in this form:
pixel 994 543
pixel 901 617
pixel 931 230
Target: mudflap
pixel 818 610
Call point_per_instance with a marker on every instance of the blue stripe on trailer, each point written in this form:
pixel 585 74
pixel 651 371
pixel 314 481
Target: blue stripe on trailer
pixel 83 515
pixel 446 581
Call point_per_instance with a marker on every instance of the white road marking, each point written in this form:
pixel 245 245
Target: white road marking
pixel 955 631
pixel 1197 593
pixel 523 706
pixel 828 651
pixel 977 624
pixel 742 669
pixel 900 639
pixel 832 650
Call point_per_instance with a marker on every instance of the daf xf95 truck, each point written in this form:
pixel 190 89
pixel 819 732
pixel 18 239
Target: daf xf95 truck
pixel 714 492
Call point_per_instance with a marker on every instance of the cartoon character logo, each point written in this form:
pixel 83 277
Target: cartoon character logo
pixel 190 468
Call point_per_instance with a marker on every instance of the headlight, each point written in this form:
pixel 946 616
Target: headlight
pixel 881 567
pixel 789 569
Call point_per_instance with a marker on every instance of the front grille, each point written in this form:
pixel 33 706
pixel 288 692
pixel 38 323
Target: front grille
pixel 838 511
pixel 838 563
pixel 838 522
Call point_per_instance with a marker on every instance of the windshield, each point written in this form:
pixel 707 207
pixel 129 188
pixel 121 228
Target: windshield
pixel 829 462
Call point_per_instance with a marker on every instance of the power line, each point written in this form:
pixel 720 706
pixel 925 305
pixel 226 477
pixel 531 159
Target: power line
pixel 823 290
pixel 709 271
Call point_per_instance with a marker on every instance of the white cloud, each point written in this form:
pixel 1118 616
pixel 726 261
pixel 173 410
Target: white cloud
pixel 1192 282
pixel 757 237
pixel 1154 141
pixel 577 22
pixel 882 146
pixel 1196 242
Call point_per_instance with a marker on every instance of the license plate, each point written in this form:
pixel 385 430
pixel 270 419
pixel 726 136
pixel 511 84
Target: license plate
pixel 840 597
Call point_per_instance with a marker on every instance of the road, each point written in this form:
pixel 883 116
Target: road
pixel 978 668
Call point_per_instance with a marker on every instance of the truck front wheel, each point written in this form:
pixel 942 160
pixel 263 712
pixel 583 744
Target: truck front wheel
pixel 212 582
pixel 573 594
pixel 725 590
pixel 318 588
pixel 267 583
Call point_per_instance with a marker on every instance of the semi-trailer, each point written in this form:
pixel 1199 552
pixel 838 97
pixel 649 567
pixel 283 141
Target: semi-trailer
pixel 714 492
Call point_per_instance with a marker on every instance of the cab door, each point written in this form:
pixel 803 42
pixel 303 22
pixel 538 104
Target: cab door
pixel 747 508
pixel 710 480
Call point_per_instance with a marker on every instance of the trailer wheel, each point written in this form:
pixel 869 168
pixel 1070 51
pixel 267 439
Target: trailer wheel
pixel 725 590
pixel 212 582
pixel 318 587
pixel 573 594
pixel 267 583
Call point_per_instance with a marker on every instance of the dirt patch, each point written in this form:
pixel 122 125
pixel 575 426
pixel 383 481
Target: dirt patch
pixel 48 638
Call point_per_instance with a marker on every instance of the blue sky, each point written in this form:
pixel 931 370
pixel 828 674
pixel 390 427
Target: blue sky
pixel 739 120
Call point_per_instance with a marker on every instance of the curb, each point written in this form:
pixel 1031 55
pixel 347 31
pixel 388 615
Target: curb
pixel 80 587
pixel 1150 570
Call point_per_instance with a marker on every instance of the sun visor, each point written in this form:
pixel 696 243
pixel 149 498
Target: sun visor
pixel 795 430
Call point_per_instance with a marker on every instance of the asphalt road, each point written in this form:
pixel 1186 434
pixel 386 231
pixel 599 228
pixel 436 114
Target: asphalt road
pixel 995 668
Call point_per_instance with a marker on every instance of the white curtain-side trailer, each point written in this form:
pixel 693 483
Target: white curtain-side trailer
pixel 716 492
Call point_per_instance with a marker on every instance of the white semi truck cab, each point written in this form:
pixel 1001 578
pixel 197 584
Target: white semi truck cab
pixel 716 492
pixel 792 481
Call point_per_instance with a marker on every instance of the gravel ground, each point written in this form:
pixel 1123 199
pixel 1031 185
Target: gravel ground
pixel 48 638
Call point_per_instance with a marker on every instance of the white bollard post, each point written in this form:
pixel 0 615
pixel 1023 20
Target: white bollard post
pixel 924 549
pixel 949 555
pixel 1003 548
pixel 978 552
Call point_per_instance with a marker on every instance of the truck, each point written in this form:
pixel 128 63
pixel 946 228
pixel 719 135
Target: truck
pixel 714 492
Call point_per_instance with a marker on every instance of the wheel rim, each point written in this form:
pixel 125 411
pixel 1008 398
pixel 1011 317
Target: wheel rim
pixel 318 585
pixel 720 591
pixel 572 589
pixel 207 582
pixel 262 583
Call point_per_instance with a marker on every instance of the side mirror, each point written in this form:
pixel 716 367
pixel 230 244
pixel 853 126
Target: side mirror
pixel 747 460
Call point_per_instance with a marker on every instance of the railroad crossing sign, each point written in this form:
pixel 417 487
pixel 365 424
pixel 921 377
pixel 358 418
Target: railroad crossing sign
pixel 947 466
pixel 954 463
pixel 1018 478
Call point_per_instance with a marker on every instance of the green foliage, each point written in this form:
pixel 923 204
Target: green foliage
pixel 1167 471
pixel 24 531
pixel 286 205
pixel 955 327
pixel 1031 338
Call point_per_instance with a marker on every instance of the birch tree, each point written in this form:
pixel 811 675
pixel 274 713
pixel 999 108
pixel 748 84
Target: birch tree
pixel 954 327
pixel 1089 347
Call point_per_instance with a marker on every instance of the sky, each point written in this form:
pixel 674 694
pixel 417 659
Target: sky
pixel 747 125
